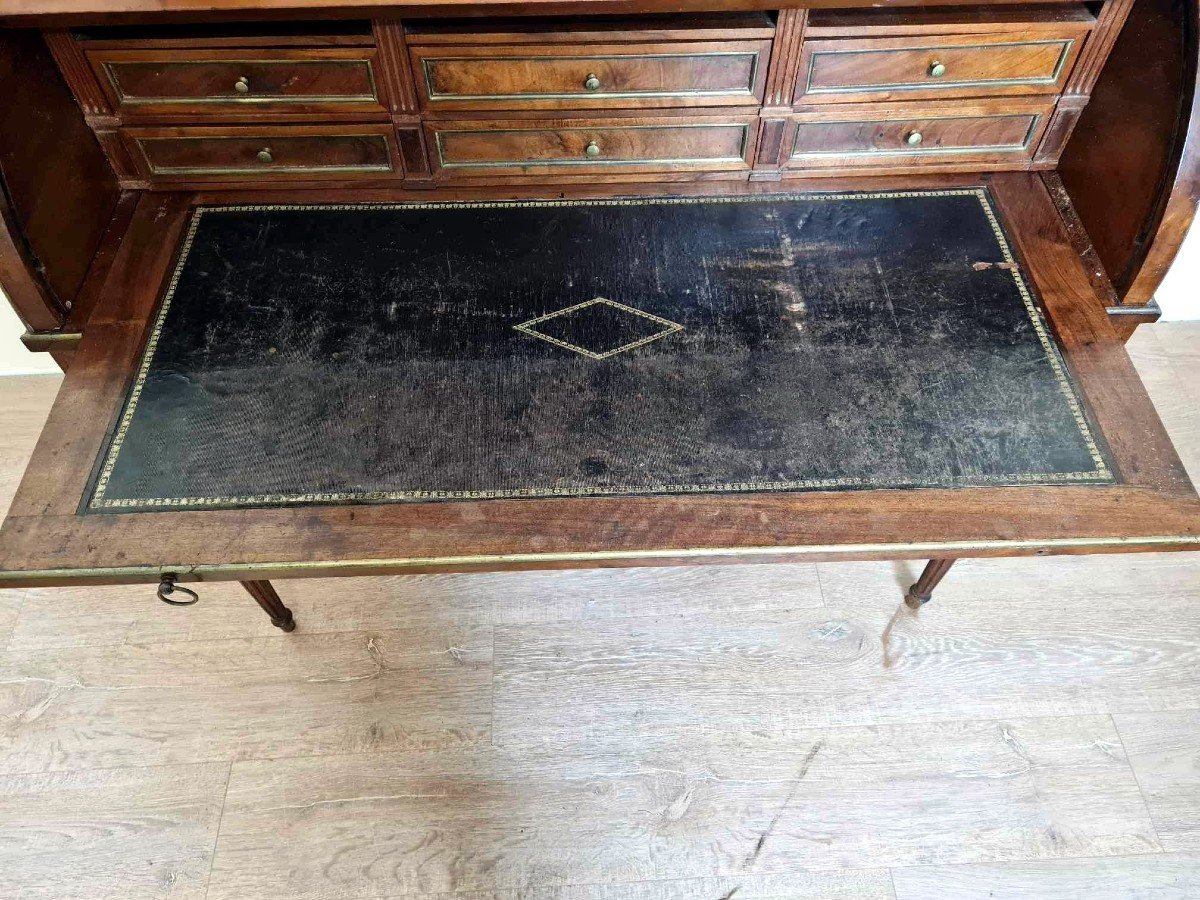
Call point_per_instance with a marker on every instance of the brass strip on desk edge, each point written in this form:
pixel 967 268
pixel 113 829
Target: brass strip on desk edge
pixel 346 568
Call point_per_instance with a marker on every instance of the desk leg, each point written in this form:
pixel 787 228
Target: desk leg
pixel 922 592
pixel 281 616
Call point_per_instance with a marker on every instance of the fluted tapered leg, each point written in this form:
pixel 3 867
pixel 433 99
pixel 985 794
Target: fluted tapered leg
pixel 922 592
pixel 281 616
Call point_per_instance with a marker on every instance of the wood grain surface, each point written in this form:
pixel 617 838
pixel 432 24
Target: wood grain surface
pixel 680 733
pixel 671 802
pixel 131 833
pixel 1156 875
pixel 336 693
pixel 886 68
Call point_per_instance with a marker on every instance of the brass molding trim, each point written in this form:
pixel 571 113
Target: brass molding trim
pixel 589 161
pixel 128 100
pixel 1150 309
pixel 435 97
pixel 1035 120
pixel 98 501
pixel 43 341
pixel 261 169
pixel 350 567
pixel 927 85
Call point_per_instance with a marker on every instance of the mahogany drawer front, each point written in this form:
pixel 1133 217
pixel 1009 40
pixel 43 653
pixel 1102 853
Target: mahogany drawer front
pixel 149 83
pixel 189 154
pixel 839 71
pixel 560 76
pixel 869 135
pixel 580 146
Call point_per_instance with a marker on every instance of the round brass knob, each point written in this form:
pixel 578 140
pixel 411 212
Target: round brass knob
pixel 592 83
pixel 936 69
pixel 242 85
pixel 592 149
pixel 913 138
pixel 264 155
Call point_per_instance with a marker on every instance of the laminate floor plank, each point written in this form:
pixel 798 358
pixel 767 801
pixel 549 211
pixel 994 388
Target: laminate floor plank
pixel 198 701
pixel 1181 341
pixel 635 805
pixel 10 612
pixel 26 401
pixel 1082 634
pixel 1164 749
pixel 989 646
pixel 1169 367
pixel 119 833
pixel 1150 877
pixel 866 884
pixel 112 616
pixel 601 594
pixel 91 616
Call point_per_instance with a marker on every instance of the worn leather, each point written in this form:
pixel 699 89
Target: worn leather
pixel 332 354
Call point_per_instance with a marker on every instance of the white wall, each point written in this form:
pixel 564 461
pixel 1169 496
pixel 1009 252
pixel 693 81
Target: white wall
pixel 1179 298
pixel 1179 294
pixel 14 358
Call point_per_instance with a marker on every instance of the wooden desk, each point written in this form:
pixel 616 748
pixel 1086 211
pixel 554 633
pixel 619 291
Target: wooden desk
pixel 158 108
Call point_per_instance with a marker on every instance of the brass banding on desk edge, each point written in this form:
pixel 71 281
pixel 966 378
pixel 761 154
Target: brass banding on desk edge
pixel 347 568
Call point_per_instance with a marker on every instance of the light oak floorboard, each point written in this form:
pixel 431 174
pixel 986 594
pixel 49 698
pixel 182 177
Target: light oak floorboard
pixel 262 697
pixel 112 616
pixel 633 805
pixel 119 833
pixel 1161 877
pixel 25 401
pixel 10 611
pixel 1181 340
pixel 91 617
pixel 1164 749
pixel 990 645
pixel 1167 358
pixel 866 884
pixel 1070 635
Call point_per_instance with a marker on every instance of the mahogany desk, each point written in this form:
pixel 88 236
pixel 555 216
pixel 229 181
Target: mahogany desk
pixel 122 117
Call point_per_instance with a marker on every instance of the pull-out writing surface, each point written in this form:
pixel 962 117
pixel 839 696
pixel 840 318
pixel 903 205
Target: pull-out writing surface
pixel 323 354
pixel 353 389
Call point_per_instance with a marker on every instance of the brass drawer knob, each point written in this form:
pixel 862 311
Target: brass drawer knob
pixel 936 69
pixel 242 85
pixel 913 138
pixel 264 155
pixel 592 149
pixel 592 83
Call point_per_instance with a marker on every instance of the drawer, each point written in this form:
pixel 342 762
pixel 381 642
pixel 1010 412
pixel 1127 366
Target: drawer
pixel 1000 133
pixel 513 147
pixel 880 68
pixel 146 83
pixel 268 154
pixel 558 76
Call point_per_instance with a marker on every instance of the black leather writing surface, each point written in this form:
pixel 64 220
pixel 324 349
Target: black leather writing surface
pixel 438 351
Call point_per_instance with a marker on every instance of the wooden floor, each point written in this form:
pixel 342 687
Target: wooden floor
pixel 738 732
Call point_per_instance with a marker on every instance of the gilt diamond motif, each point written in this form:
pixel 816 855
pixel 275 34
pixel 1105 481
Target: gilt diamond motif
pixel 599 328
